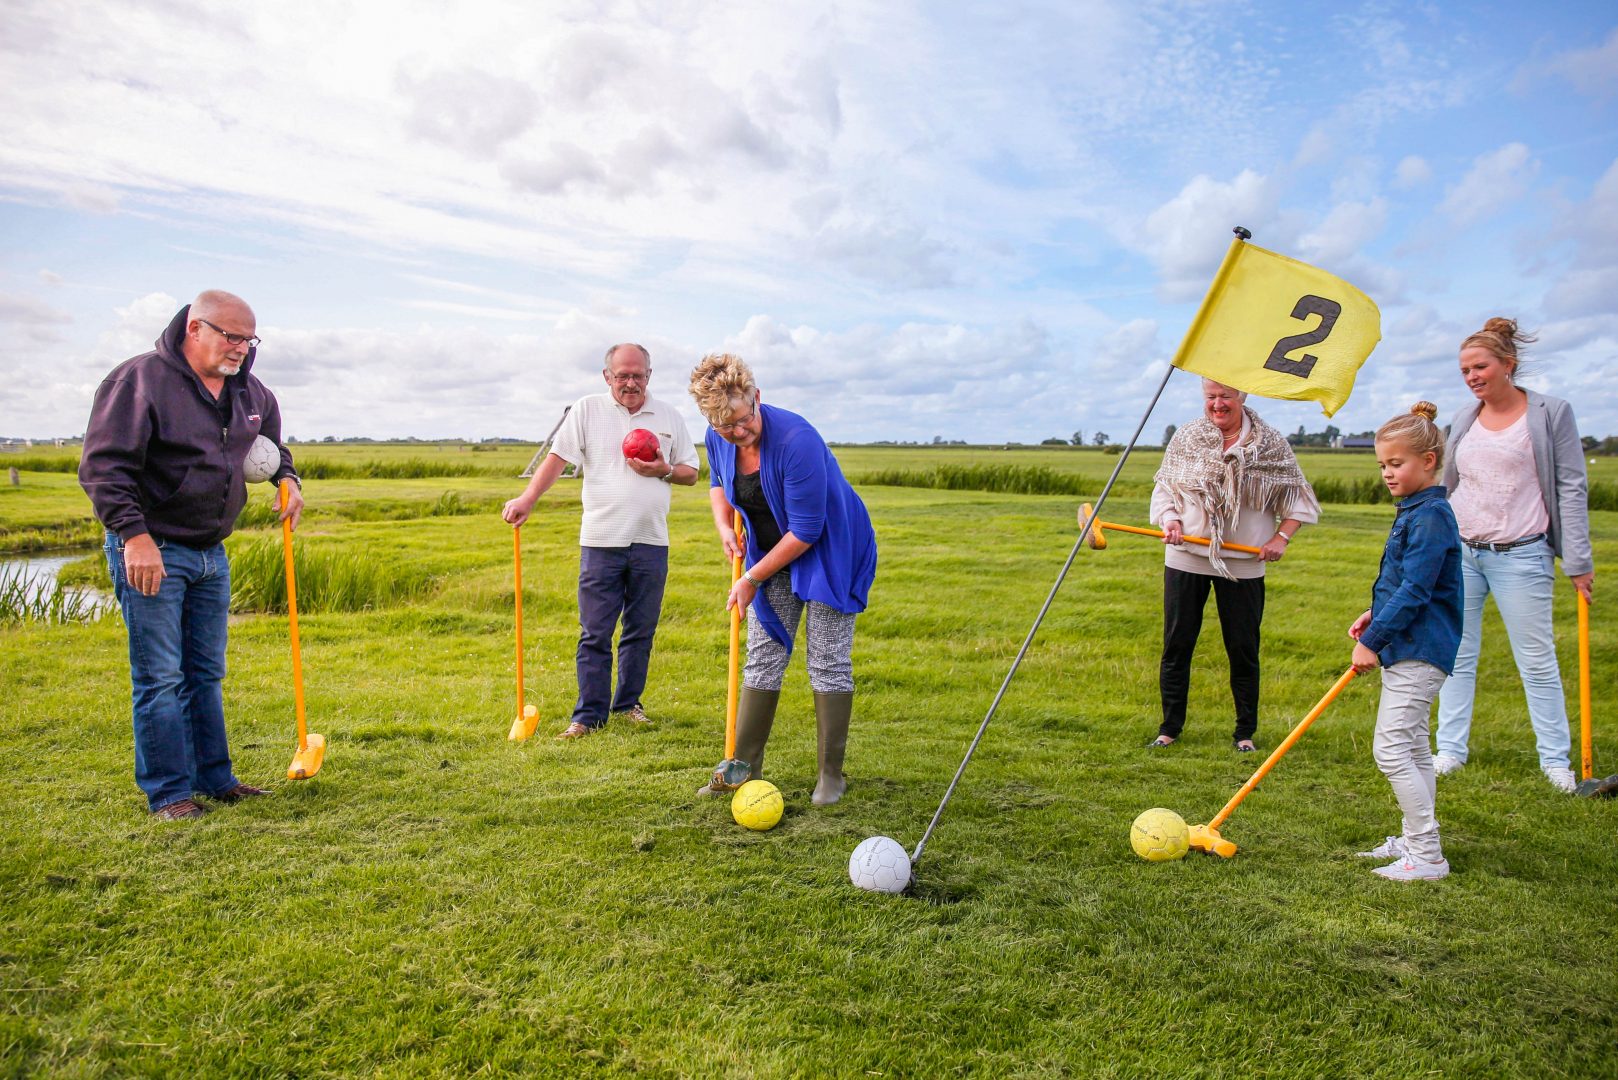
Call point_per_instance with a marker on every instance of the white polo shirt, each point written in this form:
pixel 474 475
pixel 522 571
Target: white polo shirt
pixel 621 507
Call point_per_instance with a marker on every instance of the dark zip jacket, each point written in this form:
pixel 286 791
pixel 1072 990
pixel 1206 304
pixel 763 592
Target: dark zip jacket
pixel 160 454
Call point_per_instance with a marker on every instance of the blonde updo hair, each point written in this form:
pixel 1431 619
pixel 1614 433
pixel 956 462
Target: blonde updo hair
pixel 718 382
pixel 1504 340
pixel 1416 431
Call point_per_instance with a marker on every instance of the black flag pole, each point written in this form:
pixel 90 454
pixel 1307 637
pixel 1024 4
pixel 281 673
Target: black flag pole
pixel 1242 235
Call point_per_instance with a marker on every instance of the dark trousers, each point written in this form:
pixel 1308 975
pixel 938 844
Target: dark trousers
pixel 616 583
pixel 1241 610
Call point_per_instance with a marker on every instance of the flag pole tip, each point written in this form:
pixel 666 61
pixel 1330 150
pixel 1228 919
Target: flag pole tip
pixel 1243 233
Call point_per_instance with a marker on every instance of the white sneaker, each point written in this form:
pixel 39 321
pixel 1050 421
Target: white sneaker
pixel 1444 764
pixel 1409 869
pixel 1561 779
pixel 1391 848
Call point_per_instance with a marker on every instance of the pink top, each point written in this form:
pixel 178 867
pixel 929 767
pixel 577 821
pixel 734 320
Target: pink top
pixel 1497 499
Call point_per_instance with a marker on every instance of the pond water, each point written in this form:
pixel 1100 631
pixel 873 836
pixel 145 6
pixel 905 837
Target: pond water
pixel 38 573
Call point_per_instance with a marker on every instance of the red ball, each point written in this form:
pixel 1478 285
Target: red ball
pixel 641 444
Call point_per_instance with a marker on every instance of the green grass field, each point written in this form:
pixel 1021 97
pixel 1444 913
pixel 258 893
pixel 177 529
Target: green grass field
pixel 440 902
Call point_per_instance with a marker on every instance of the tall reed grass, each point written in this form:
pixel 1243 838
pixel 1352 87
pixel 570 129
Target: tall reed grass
pixel 405 469
pixel 1040 480
pixel 25 599
pixel 81 532
pixel 1005 479
pixel 41 463
pixel 327 580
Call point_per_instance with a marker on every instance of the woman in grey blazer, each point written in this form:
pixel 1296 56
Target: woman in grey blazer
pixel 1514 468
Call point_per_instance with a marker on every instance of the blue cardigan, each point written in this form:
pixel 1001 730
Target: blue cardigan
pixel 1416 602
pixel 806 492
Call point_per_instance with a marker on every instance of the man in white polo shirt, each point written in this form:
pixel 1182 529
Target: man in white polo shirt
pixel 624 534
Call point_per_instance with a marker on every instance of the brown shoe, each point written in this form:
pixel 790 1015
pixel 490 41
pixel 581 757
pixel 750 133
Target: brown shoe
pixel 178 811
pixel 576 730
pixel 238 793
pixel 635 715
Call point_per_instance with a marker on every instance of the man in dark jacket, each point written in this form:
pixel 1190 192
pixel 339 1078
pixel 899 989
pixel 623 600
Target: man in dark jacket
pixel 162 465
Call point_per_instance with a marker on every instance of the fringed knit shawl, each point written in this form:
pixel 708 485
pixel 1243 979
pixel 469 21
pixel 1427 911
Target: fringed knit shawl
pixel 1260 473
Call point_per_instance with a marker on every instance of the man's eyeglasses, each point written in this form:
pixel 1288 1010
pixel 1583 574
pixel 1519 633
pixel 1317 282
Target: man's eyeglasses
pixel 622 380
pixel 250 340
pixel 725 429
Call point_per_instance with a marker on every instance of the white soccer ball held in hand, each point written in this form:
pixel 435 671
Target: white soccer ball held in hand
pixel 263 459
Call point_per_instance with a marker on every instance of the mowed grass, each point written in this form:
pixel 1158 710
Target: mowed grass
pixel 439 901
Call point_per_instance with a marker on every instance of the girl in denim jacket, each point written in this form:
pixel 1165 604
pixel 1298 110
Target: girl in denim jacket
pixel 1412 632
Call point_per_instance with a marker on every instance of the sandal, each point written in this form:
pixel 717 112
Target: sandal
pixel 1160 742
pixel 1244 746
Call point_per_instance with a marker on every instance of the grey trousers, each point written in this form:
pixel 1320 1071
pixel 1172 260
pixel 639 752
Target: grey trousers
pixel 830 645
pixel 1402 752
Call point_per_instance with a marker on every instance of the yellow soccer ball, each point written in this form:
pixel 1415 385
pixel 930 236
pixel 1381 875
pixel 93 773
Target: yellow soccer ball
pixel 757 805
pixel 1159 835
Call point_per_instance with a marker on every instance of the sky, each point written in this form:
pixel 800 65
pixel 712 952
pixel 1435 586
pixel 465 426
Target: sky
pixel 914 220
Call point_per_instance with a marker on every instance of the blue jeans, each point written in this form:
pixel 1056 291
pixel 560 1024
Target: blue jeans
pixel 176 668
pixel 616 583
pixel 1522 580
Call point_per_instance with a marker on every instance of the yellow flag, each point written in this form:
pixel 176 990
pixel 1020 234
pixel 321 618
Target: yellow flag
pixel 1279 328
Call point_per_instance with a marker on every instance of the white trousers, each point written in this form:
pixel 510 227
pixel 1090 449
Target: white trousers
pixel 1401 750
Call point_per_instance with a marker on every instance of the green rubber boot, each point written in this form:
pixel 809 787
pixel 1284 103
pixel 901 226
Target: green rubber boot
pixel 755 715
pixel 832 712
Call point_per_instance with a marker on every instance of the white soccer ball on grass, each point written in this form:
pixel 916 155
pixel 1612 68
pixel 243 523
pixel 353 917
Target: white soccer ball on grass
pixel 880 864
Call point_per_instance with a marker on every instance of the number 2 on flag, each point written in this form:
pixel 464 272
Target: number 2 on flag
pixel 1328 310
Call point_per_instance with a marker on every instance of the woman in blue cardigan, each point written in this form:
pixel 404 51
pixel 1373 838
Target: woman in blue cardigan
pixel 809 545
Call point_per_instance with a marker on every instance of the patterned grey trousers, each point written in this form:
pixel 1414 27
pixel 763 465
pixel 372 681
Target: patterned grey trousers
pixel 830 646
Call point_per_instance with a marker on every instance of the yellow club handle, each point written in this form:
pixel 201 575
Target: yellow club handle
pixel 1586 751
pixel 733 685
pixel 292 617
pixel 1280 751
pixel 516 562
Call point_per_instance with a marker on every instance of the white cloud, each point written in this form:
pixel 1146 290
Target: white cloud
pixel 1412 171
pixel 1184 237
pixel 1592 71
pixel 28 311
pixel 1346 229
pixel 1495 180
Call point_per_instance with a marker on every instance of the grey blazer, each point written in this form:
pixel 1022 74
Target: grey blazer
pixel 1559 461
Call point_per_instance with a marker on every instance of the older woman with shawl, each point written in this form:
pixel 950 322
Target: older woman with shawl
pixel 1232 478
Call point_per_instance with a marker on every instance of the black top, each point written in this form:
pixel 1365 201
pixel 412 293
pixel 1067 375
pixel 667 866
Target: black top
pixel 760 518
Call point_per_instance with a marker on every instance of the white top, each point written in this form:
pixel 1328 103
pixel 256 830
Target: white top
pixel 621 507
pixel 1252 527
pixel 1497 498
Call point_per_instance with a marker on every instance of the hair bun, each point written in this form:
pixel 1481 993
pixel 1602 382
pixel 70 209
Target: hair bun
pixel 1425 409
pixel 1507 328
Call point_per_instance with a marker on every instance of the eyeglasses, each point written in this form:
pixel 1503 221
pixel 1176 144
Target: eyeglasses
pixel 623 379
pixel 250 340
pixel 724 429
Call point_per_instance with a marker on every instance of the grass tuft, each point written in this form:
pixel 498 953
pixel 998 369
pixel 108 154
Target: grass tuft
pixel 328 580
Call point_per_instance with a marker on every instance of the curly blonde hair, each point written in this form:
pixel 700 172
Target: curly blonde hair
pixel 1502 338
pixel 1417 431
pixel 718 382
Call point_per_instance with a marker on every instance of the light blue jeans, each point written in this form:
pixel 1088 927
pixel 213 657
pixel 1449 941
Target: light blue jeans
pixel 176 668
pixel 1522 581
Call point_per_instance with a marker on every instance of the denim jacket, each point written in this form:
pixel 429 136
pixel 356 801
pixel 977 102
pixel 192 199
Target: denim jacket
pixel 1416 602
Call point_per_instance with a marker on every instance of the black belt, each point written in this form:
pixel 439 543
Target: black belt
pixel 1507 546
